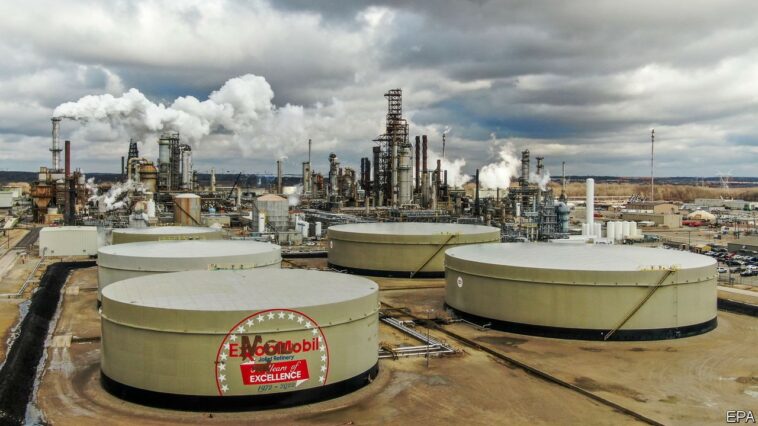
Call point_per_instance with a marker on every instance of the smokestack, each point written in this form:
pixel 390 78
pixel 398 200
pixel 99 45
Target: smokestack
pixel 445 177
pixel 309 151
pixel 438 176
pixel 122 166
pixel 476 199
pixel 68 159
pixel 213 179
pixel 424 153
pixel 418 163
pixel 56 146
pixel 590 203
pixel 279 177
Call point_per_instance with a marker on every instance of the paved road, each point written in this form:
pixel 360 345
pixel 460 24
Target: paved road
pixel 29 239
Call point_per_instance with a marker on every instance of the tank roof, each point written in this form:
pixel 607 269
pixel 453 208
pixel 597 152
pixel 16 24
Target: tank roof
pixel 189 248
pixel 413 228
pixel 586 257
pixel 245 290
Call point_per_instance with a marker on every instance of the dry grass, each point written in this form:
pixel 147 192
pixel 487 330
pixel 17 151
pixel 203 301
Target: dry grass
pixel 685 193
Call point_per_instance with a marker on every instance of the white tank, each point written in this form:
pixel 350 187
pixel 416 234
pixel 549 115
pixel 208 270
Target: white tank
pixel 619 231
pixel 598 230
pixel 261 222
pixel 625 229
pixel 610 230
pixel 318 230
pixel 305 227
pixel 150 208
pixel 584 229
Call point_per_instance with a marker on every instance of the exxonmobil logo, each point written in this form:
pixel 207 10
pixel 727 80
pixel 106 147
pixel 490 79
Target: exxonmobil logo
pixel 256 357
pixel 247 349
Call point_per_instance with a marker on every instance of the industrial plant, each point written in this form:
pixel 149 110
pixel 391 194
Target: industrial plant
pixel 378 292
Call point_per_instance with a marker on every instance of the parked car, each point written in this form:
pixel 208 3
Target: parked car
pixel 722 270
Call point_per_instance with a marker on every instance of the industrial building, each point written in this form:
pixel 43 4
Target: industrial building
pixel 400 249
pixel 239 339
pixel 591 292
pixel 122 261
pixel 69 241
pixel 164 233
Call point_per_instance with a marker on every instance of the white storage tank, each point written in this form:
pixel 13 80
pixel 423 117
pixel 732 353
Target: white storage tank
pixel 251 339
pixel 68 241
pixel 592 292
pixel 401 249
pixel 165 233
pixel 123 261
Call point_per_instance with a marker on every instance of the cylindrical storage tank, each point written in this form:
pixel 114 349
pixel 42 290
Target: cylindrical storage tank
pixel 318 229
pixel 164 233
pixel 633 229
pixel 625 229
pixel 610 230
pixel 405 249
pixel 187 209
pixel 123 261
pixel 598 230
pixel 619 231
pixel 585 229
pixel 205 340
pixel 591 292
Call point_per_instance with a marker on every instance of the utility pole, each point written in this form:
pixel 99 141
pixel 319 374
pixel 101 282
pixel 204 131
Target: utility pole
pixel 652 159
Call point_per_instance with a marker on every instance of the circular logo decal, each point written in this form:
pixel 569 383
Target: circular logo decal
pixel 251 359
pixel 460 282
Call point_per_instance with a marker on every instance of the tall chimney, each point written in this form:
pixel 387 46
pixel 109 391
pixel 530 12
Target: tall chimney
pixel 56 146
pixel 590 203
pixel 279 188
pixel 476 199
pixel 68 158
pixel 122 166
pixel 424 172
pixel 418 163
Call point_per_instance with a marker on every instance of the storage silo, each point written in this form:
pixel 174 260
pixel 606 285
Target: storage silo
pixel 275 209
pixel 205 340
pixel 123 261
pixel 591 292
pixel 187 209
pixel 401 249
pixel 164 233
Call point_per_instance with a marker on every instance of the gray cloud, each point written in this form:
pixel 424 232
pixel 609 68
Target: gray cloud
pixel 581 81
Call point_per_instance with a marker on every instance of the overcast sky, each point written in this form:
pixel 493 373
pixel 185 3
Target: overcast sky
pixel 579 81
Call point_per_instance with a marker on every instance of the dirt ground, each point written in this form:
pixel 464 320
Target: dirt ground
pixel 687 381
pixel 473 386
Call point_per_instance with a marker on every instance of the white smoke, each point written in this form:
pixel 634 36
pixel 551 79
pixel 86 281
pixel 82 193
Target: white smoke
pixel 455 175
pixel 240 111
pixel 117 196
pixel 542 181
pixel 294 198
pixel 500 173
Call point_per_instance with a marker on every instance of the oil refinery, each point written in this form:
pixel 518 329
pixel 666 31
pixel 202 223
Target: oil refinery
pixel 371 294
